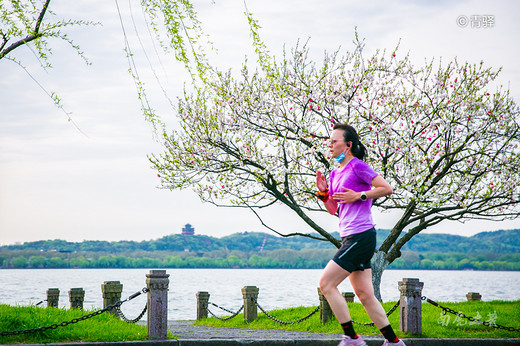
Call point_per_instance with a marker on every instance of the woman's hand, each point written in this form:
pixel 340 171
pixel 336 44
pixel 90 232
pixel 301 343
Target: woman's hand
pixel 348 196
pixel 381 189
pixel 321 181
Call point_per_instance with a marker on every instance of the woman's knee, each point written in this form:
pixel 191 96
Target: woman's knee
pixel 326 286
pixel 331 277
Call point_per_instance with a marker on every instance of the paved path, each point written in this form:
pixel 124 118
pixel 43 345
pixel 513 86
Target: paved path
pixel 193 335
pixel 186 330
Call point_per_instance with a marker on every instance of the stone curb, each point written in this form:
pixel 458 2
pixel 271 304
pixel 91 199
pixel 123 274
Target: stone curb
pixel 225 342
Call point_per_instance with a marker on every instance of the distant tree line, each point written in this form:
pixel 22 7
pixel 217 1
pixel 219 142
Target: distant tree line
pixel 281 258
pixel 498 250
pixel 291 259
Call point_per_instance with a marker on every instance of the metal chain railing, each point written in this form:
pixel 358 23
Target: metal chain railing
pixel 471 319
pixel 223 318
pixel 40 302
pixel 74 320
pixel 284 322
pixel 135 320
pixel 391 311
pixel 138 318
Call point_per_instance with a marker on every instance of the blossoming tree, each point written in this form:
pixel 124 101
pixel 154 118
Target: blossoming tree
pixel 444 136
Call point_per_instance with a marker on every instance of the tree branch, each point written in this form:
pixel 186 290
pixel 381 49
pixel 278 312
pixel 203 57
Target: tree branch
pixel 398 227
pixel 33 36
pixel 281 234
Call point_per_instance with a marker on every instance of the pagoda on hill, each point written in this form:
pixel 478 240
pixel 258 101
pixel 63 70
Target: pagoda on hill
pixel 188 230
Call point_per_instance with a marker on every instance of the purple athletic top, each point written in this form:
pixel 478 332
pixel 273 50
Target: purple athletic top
pixel 353 217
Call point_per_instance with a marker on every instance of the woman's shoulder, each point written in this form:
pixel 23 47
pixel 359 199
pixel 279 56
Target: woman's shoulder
pixel 358 162
pixel 362 168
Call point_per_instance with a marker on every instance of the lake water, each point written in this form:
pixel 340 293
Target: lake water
pixel 279 288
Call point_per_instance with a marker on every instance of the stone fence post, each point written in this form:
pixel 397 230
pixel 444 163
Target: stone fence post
pixel 410 305
pixel 473 296
pixel 349 296
pixel 76 298
pixel 250 307
pixel 53 297
pixel 325 310
pixel 157 325
pixel 202 305
pixel 111 294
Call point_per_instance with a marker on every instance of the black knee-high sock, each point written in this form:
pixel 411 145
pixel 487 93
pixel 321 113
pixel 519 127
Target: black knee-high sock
pixel 348 329
pixel 389 334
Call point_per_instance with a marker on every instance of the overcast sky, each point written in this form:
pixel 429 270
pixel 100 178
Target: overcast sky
pixel 95 182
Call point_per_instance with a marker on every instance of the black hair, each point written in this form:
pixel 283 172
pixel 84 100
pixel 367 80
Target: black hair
pixel 350 135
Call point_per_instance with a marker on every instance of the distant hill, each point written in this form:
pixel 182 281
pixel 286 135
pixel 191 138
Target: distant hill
pixel 498 250
pixel 503 241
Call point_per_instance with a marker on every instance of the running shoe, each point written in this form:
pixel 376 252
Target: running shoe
pixel 388 343
pixel 347 341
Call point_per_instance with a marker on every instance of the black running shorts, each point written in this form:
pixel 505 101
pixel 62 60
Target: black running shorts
pixel 356 251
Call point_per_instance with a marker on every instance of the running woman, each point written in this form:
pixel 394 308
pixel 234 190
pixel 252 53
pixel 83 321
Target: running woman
pixel 353 186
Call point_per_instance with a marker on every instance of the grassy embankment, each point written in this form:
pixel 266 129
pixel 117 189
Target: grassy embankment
pixel 434 323
pixel 104 327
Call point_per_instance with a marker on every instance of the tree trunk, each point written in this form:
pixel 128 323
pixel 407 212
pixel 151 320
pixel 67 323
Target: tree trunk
pixel 379 264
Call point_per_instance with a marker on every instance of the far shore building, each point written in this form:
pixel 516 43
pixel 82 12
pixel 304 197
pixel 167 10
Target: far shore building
pixel 188 230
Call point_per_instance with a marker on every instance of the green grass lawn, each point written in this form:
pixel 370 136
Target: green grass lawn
pixel 434 323
pixel 104 327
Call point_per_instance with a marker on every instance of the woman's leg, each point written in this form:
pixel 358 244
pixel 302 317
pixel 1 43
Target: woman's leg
pixel 331 277
pixel 361 282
